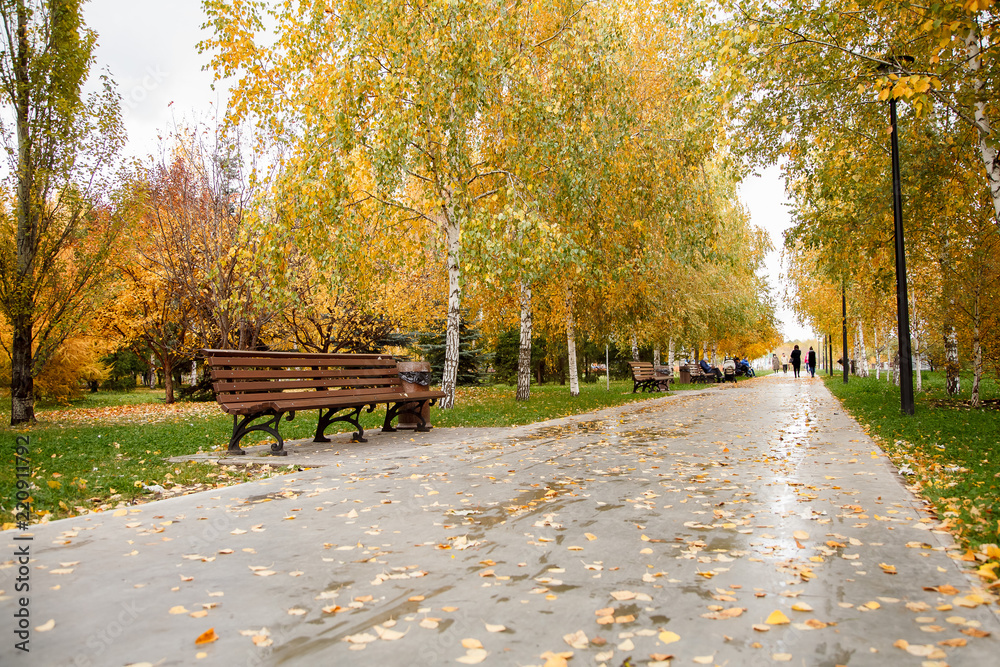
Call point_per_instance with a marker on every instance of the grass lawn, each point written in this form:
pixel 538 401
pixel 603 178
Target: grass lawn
pixel 103 449
pixel 948 451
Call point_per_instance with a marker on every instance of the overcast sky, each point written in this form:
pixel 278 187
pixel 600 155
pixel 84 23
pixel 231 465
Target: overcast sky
pixel 151 51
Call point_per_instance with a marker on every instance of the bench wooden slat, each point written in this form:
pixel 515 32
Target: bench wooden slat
pixel 360 391
pixel 300 374
pixel 305 363
pixel 271 354
pixel 285 385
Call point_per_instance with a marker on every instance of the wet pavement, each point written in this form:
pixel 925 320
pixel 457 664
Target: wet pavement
pixel 753 524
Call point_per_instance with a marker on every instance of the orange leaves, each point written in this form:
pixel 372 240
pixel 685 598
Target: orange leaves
pixel 206 637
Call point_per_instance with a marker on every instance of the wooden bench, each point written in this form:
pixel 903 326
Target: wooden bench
pixel 647 378
pixel 253 385
pixel 696 374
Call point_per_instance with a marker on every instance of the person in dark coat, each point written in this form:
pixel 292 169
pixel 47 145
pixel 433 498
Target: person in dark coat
pixel 796 360
pixel 710 370
pixel 811 362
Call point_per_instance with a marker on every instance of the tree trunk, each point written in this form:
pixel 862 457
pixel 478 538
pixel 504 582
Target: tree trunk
pixel 670 355
pixel 878 353
pixel 715 354
pixel 656 355
pixel 574 377
pixel 862 354
pixel 977 350
pixel 987 149
pixel 452 232
pixel 22 385
pixel 915 345
pixel 168 378
pixel 953 382
pixel 524 353
pixel 635 348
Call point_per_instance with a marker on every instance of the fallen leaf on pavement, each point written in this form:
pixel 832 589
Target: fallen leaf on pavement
pixel 668 637
pixel 777 617
pixel 206 637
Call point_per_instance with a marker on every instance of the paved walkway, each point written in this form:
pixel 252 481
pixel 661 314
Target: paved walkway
pixel 746 525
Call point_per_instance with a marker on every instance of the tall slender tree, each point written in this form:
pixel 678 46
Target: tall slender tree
pixel 60 148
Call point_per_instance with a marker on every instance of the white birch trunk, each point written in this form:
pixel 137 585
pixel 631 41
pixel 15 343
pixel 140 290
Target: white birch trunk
pixel 524 353
pixel 878 354
pixel 574 377
pixel 987 151
pixel 670 355
pixel 862 354
pixel 635 348
pixel 953 381
pixel 715 354
pixel 452 231
pixel 656 355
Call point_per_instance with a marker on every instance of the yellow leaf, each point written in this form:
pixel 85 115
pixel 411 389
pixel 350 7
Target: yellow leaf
pixel 777 618
pixel 801 606
pixel 668 637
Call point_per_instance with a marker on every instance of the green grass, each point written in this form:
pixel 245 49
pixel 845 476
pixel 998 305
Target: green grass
pixel 951 448
pixel 101 450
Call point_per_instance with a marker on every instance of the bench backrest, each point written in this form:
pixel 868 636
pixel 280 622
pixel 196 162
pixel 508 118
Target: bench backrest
pixel 241 376
pixel 641 370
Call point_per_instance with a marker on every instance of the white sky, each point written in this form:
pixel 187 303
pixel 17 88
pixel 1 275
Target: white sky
pixel 764 197
pixel 150 49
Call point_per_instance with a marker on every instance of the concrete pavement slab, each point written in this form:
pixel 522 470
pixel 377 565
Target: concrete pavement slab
pixel 753 524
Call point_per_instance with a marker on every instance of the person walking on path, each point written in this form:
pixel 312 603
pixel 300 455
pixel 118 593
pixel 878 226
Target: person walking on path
pixel 784 363
pixel 796 360
pixel 775 363
pixel 811 362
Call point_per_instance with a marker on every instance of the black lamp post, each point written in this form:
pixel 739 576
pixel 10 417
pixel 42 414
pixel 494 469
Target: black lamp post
pixel 902 302
pixel 843 310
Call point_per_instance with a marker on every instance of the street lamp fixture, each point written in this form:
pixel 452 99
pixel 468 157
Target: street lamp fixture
pixel 895 65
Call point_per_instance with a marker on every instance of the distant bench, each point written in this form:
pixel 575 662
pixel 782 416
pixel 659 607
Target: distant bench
pixel 693 373
pixel 252 386
pixel 646 378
